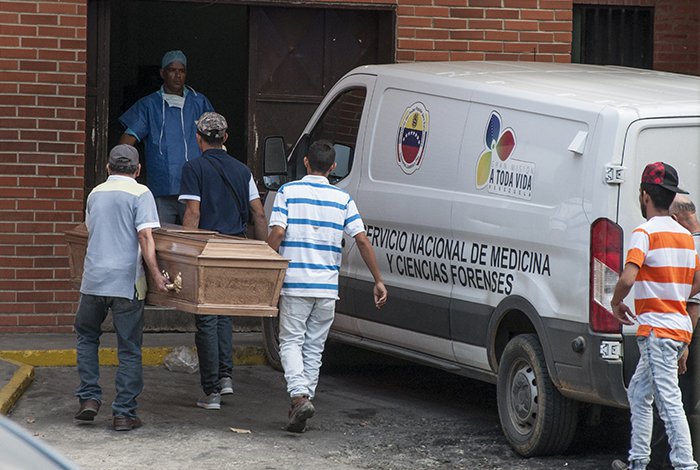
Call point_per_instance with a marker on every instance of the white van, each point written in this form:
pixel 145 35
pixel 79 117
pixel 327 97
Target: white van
pixel 499 198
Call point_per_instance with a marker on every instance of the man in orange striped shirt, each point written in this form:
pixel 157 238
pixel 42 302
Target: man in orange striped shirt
pixel 663 267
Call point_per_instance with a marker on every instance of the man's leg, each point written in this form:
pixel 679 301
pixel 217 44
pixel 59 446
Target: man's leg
pixel 317 328
pixel 224 327
pixel 294 311
pixel 207 342
pixel 169 210
pixel 92 311
pixel 663 361
pixel 127 316
pixel 640 395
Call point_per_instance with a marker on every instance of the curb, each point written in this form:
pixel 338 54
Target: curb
pixel 21 379
pixel 26 360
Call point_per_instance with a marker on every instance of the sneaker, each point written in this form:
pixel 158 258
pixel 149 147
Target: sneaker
pixel 301 410
pixel 619 465
pixel 226 385
pixel 87 411
pixel 210 402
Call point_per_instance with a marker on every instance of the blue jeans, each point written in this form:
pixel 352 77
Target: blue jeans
pixel 214 340
pixel 656 380
pixel 170 210
pixel 304 326
pixel 127 316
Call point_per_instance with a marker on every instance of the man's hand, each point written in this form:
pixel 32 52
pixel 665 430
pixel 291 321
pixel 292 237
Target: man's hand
pixel 380 294
pixel 683 362
pixel 159 281
pixel 623 313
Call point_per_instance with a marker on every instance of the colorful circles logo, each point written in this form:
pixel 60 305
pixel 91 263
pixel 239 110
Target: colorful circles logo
pixel 499 143
pixel 413 134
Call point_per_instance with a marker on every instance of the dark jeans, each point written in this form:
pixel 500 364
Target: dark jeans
pixel 127 316
pixel 214 340
pixel 690 389
pixel 170 210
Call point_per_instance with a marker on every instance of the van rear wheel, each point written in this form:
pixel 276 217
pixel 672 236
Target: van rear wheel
pixel 536 419
pixel 271 344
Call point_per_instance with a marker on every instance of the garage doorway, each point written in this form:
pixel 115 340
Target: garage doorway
pixel 264 68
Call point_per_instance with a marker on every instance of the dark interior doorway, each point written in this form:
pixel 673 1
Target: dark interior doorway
pixel 214 37
pixel 265 68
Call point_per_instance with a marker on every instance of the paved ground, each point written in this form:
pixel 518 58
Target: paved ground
pixel 374 414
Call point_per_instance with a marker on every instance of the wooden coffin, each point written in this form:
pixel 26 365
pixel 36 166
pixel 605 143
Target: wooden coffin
pixel 219 274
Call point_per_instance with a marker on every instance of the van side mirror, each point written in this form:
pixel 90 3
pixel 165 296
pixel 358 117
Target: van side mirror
pixel 274 163
pixel 343 163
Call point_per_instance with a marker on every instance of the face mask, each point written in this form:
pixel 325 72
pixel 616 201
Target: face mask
pixel 175 101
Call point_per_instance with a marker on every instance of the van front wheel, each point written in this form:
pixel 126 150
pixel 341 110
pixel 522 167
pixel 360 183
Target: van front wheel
pixel 271 344
pixel 536 419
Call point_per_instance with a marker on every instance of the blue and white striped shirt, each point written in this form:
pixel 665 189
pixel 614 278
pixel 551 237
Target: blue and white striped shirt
pixel 314 215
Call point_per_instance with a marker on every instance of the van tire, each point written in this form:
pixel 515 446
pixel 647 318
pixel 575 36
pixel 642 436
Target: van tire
pixel 271 344
pixel 536 419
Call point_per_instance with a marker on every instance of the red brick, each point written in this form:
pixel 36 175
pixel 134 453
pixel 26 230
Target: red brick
pixel 57 7
pixel 486 46
pixel 37 89
pixel 467 34
pixel 58 101
pixel 56 78
pixel 39 19
pixel 72 67
pixel 35 296
pixel 17 53
pixel 9 41
pixel 432 33
pixel 75 21
pixel 432 11
pixel 556 26
pixel 38 135
pixel 451 46
pixel 56 124
pixel 76 114
pixel 37 112
pixel 407 21
pixel 520 3
pixel 519 25
pixel 536 37
pixel 432 56
pixel 406 33
pixel 485 24
pixel 466 55
pixel 17 30
pixel 501 35
pixel 540 15
pixel 485 3
pixel 37 319
pixel 450 23
pixel 503 13
pixel 18 169
pixel 20 7
pixel 467 13
pixel 48 43
pixel 415 44
pixel 452 3
pixel 36 182
pixel 56 32
pixel 8 320
pixel 405 56
pixel 50 262
pixel 553 4
pixel 37 66
pixel 35 250
pixel 57 55
pixel 17 146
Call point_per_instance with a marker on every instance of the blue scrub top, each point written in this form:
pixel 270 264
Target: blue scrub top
pixel 169 136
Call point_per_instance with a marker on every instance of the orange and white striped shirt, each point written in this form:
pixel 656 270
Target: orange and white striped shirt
pixel 667 260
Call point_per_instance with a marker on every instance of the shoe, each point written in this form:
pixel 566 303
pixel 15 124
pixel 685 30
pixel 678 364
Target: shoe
pixel 210 402
pixel 619 465
pixel 301 410
pixel 87 412
pixel 126 423
pixel 226 385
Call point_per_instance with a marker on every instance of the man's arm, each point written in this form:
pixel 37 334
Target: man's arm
pixel 367 253
pixel 621 311
pixel 274 239
pixel 127 139
pixel 259 219
pixel 148 251
pixel 191 217
pixel 695 288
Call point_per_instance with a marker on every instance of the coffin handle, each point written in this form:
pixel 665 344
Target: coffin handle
pixel 174 285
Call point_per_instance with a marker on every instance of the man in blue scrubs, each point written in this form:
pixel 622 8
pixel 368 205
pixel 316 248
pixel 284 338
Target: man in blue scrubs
pixel 165 122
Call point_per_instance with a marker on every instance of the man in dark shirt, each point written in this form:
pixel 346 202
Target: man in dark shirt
pixel 220 194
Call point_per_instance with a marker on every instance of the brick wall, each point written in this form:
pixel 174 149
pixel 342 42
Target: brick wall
pixel 676 32
pixel 42 113
pixel 42 120
pixel 530 30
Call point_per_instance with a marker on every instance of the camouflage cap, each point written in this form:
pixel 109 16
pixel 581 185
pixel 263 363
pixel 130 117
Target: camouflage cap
pixel 212 125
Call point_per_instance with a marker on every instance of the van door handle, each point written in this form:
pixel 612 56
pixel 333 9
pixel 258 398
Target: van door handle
pixel 342 243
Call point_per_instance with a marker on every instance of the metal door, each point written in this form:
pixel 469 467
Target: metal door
pixel 296 55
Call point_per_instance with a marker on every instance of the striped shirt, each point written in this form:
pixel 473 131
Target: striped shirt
pixel 314 215
pixel 665 253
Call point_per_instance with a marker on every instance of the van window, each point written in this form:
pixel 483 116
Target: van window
pixel 340 124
